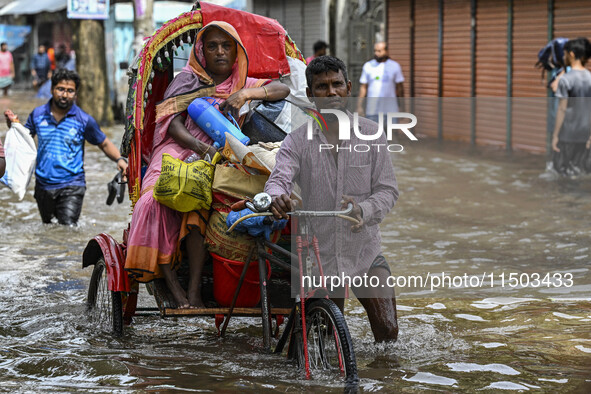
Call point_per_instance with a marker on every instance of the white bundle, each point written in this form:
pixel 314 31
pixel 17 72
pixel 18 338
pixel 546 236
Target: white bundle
pixel 21 153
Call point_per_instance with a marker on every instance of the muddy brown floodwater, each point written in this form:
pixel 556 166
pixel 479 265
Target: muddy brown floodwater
pixel 468 213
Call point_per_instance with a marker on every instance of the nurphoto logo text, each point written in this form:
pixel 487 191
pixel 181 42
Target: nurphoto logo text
pixel 345 130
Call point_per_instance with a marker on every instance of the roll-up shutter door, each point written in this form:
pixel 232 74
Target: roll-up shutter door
pixel 572 18
pixel 398 38
pixel 530 24
pixel 303 20
pixel 425 62
pixel 276 11
pixel 314 25
pixel 491 71
pixel 456 70
pixel 293 24
pixel 261 7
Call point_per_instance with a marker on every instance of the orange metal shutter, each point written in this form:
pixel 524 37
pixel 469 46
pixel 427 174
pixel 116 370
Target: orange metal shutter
pixel 491 71
pixel 572 18
pixel 398 37
pixel 456 70
pixel 530 26
pixel 425 61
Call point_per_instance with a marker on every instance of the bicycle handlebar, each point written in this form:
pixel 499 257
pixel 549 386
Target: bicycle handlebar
pixel 340 214
pixel 323 213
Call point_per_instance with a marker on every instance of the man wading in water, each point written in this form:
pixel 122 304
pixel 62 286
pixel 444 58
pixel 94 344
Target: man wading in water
pixel 62 128
pixel 330 179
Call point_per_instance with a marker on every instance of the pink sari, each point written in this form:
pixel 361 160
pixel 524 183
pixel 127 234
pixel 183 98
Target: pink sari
pixel 156 230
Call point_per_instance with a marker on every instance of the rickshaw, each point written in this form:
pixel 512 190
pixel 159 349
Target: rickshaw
pixel 315 333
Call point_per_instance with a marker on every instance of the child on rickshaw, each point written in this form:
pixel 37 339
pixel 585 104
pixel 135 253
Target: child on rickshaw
pixel 159 236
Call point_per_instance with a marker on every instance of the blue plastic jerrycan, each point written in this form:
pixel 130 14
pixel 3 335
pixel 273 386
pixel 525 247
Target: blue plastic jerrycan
pixel 214 123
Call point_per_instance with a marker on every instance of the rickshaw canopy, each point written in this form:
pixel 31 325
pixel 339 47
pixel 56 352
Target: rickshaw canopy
pixel 267 44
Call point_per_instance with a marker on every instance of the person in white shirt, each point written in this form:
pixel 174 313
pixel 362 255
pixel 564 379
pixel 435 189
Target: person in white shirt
pixel 381 78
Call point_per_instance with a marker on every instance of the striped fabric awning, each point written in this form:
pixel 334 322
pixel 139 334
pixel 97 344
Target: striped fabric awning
pixel 27 7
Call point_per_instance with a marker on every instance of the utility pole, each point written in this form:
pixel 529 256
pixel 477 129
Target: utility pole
pixel 91 64
pixel 143 23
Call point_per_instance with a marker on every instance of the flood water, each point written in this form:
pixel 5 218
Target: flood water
pixel 461 211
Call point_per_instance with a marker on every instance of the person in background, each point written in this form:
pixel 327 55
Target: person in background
pixel 6 68
pixel 62 57
pixel 40 67
pixel 62 128
pixel 319 50
pixel 572 130
pixel 50 55
pixel 381 78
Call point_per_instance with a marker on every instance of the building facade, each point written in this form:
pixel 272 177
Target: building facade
pixel 349 27
pixel 478 56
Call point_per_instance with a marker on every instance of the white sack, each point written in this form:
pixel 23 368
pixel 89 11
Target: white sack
pixel 21 152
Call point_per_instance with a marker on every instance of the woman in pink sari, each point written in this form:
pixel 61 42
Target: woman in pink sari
pixel 217 67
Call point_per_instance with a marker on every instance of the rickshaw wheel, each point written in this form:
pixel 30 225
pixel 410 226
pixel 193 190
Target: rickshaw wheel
pixel 330 348
pixel 104 307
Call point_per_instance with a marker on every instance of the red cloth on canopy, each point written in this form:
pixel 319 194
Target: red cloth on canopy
pixel 263 38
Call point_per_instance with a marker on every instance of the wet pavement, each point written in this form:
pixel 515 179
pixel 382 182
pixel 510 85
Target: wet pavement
pixel 462 210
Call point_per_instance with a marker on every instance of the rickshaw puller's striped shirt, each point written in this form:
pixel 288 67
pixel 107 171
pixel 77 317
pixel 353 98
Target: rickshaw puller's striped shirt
pixel 368 177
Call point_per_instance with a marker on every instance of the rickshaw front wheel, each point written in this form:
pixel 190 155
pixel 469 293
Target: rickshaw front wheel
pixel 330 348
pixel 104 307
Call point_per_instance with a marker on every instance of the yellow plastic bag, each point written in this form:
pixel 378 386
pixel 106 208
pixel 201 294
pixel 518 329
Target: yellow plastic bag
pixel 185 187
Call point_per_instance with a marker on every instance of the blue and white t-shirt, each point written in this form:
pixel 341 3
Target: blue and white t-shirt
pixel 60 152
pixel 381 79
